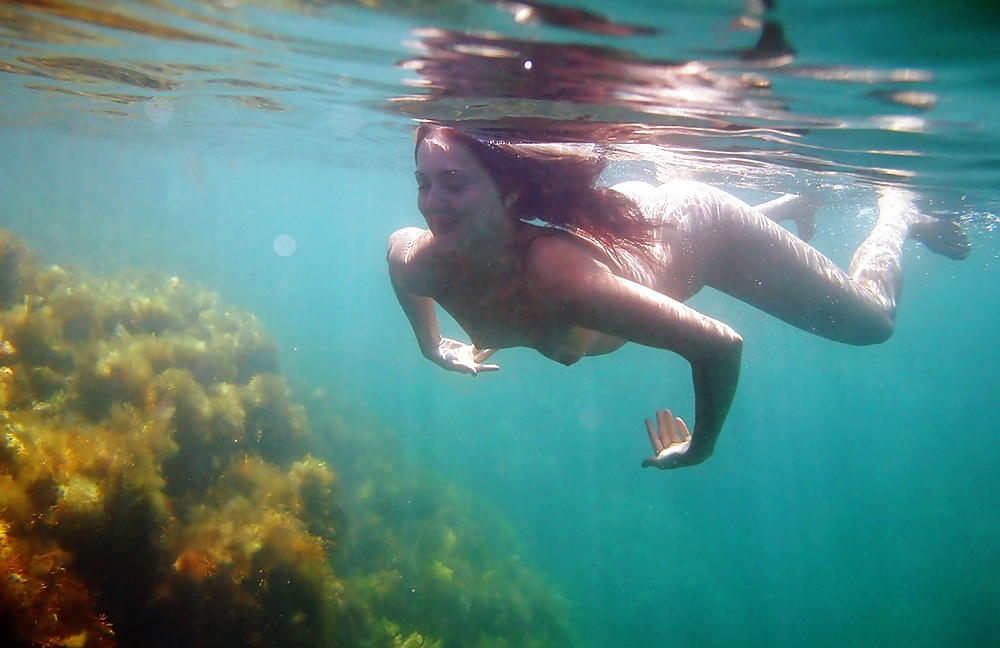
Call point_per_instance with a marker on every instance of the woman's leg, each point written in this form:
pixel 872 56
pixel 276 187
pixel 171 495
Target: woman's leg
pixel 742 253
pixel 793 207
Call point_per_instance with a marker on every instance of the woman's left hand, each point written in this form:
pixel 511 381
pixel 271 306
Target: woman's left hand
pixel 670 440
pixel 463 358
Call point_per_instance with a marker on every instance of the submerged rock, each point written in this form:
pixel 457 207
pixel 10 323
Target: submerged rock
pixel 159 486
pixel 156 486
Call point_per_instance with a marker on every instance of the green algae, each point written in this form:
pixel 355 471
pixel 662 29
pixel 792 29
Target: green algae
pixel 426 557
pixel 160 486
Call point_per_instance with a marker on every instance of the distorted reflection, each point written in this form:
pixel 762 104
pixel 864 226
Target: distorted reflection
pixel 725 112
pixel 242 68
pixel 525 11
pixel 480 67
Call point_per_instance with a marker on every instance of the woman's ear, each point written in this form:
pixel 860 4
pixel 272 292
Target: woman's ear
pixel 511 198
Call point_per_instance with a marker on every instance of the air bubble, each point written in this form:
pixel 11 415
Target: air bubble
pixel 284 245
pixel 159 110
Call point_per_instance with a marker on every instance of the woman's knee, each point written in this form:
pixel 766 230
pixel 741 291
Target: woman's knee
pixel 874 330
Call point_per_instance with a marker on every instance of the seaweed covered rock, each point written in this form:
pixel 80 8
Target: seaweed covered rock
pixel 160 487
pixel 155 483
pixel 427 559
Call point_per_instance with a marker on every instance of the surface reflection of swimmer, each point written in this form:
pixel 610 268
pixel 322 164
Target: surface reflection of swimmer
pixel 569 18
pixel 524 250
pixel 472 68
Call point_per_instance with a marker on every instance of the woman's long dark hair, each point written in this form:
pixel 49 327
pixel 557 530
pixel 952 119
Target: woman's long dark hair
pixel 558 187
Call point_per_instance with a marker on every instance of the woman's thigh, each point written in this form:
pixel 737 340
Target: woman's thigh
pixel 728 245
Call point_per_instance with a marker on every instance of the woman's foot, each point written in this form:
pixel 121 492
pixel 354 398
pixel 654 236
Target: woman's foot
pixel 941 236
pixel 794 207
pixel 805 217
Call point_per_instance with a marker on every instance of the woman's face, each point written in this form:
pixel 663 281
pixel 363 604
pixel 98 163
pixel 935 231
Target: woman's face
pixel 456 195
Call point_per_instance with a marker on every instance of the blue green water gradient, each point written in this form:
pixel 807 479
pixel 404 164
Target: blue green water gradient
pixel 854 496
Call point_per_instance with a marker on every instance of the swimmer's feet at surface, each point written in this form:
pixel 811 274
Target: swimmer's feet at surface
pixel 941 236
pixel 800 209
pixel 805 216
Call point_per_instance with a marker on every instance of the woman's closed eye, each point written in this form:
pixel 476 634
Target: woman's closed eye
pixel 453 180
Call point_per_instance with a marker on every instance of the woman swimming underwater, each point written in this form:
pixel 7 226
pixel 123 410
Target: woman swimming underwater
pixel 524 250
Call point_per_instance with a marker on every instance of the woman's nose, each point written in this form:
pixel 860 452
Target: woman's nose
pixel 434 199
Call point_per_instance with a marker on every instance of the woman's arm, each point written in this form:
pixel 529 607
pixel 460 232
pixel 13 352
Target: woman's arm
pixel 421 311
pixel 583 292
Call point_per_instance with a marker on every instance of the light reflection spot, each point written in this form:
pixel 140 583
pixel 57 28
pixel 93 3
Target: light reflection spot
pixel 284 245
pixel 159 110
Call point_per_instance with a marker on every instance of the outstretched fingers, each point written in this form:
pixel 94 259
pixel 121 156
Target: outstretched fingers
pixel 654 438
pixel 671 441
pixel 685 434
pixel 480 355
pixel 668 431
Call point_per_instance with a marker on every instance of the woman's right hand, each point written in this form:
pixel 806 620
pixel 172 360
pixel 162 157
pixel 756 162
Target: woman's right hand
pixel 671 450
pixel 463 358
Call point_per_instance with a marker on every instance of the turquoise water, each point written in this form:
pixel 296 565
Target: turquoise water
pixel 853 497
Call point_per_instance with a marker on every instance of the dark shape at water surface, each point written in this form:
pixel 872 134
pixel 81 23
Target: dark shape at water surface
pixel 733 112
pixel 771 45
pixel 570 18
pixel 715 117
pixel 467 73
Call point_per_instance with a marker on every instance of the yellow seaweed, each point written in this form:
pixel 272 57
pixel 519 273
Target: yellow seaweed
pixel 160 486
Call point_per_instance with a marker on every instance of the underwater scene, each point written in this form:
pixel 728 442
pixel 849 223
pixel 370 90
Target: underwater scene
pixel 218 429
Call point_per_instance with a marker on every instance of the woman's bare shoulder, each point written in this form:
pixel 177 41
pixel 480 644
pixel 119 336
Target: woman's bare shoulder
pixel 410 252
pixel 407 244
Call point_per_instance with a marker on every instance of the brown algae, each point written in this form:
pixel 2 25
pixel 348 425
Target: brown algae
pixel 160 487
